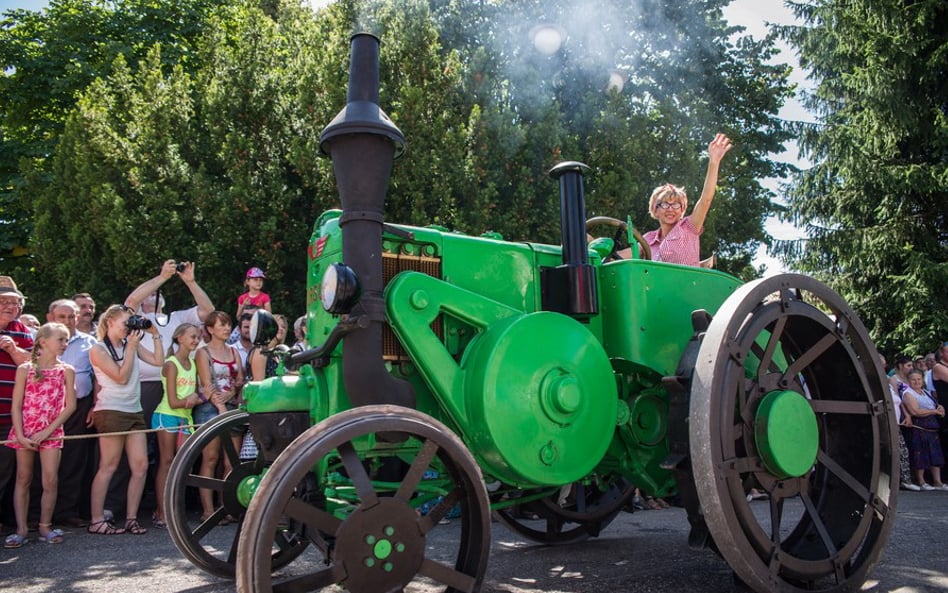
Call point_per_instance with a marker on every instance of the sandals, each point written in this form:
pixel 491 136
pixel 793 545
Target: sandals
pixel 157 522
pixel 103 527
pixel 132 526
pixel 15 540
pixel 53 536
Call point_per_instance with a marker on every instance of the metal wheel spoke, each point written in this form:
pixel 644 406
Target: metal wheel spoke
pixel 775 565
pixel 207 482
pixel 740 465
pixel 580 498
pixel 232 554
pixel 210 523
pixel 227 446
pixel 554 525
pixel 829 406
pixel 417 471
pixel 309 515
pixel 315 538
pixel 767 357
pixel 310 582
pixel 437 512
pixel 447 575
pixel 357 474
pixel 745 411
pixel 806 358
pixel 818 524
pixel 738 431
pixel 776 515
pixel 840 472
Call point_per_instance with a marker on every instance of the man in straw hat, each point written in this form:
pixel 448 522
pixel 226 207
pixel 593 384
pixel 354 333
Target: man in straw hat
pixel 16 342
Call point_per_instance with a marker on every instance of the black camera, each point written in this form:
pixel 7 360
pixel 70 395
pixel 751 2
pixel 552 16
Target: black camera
pixel 180 266
pixel 136 322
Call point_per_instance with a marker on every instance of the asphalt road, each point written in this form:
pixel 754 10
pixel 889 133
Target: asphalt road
pixel 642 552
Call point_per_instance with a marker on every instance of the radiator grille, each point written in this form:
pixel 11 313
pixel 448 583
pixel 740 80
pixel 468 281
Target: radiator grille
pixel 393 264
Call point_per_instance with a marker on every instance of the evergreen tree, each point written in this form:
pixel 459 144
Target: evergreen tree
pixel 49 58
pixel 874 204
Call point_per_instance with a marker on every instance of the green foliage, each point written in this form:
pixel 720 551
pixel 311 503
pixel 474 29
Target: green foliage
pixel 191 167
pixel 199 139
pixel 49 59
pixel 875 203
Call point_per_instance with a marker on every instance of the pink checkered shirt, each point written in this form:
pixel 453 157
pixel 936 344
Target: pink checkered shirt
pixel 681 246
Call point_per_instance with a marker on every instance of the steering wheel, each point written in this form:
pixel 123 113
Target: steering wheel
pixel 620 238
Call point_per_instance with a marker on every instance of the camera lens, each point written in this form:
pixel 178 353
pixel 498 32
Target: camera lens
pixel 180 267
pixel 136 322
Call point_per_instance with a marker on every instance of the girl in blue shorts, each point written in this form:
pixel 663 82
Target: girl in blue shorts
pixel 173 414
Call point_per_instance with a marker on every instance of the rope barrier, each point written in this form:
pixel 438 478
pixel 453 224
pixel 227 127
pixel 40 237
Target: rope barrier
pixel 95 435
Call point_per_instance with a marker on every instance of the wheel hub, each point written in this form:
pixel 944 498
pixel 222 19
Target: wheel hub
pixel 240 485
pixel 786 434
pixel 381 547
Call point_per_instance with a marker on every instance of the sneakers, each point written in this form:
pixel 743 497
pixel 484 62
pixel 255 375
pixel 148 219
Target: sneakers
pixel 910 486
pixel 928 487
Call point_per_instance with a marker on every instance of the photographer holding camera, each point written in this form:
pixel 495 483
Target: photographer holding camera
pixel 147 300
pixel 118 409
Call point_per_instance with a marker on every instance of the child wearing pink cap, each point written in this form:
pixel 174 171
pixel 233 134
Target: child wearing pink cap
pixel 254 295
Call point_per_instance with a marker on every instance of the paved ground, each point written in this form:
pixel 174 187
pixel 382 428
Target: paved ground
pixel 641 552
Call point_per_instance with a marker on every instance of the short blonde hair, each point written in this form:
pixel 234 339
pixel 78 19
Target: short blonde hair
pixel 667 193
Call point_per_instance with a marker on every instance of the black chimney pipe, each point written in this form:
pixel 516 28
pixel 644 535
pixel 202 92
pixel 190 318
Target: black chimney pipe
pixel 362 143
pixel 580 274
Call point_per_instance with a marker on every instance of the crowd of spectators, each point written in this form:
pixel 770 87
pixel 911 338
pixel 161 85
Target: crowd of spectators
pixel 122 380
pixel 919 388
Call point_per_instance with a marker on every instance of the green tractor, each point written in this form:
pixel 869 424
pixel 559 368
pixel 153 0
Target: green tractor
pixel 464 376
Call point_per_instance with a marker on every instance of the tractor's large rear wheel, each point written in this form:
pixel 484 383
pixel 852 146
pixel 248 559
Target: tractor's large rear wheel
pixel 788 397
pixel 390 475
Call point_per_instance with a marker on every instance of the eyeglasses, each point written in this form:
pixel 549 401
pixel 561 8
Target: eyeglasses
pixel 668 205
pixel 9 302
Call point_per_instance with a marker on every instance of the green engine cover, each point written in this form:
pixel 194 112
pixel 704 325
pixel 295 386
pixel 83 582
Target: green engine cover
pixel 541 397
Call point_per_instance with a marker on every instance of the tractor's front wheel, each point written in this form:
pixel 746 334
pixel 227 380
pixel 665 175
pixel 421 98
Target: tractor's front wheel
pixel 386 476
pixel 211 542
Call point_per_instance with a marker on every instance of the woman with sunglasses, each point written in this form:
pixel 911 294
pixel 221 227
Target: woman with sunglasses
pixel 677 238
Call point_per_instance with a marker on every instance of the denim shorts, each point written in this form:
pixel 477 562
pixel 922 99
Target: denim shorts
pixel 204 413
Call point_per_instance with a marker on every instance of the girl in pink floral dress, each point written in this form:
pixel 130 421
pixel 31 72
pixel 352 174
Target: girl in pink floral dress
pixel 44 397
